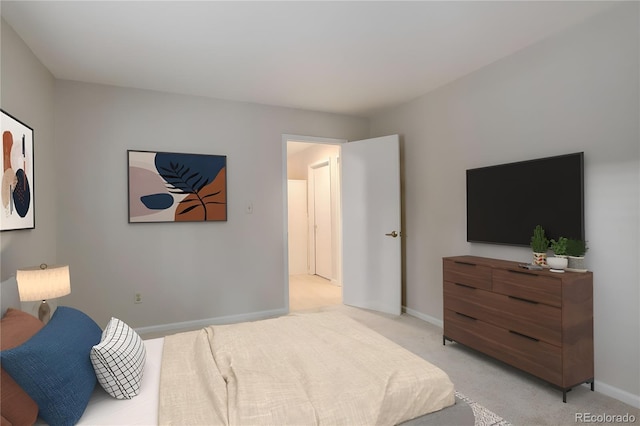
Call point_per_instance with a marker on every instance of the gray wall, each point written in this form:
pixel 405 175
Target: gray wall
pixel 577 91
pixel 185 271
pixel 27 93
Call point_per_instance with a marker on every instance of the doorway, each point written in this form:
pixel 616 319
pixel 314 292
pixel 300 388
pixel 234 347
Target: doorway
pixel 314 259
pixel 369 228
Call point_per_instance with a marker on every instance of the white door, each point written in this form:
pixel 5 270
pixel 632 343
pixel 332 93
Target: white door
pixel 371 224
pixel 297 212
pixel 322 216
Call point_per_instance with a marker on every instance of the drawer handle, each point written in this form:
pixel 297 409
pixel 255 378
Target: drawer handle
pixel 523 273
pixel 466 316
pixel 524 335
pixel 460 262
pixel 533 302
pixel 465 286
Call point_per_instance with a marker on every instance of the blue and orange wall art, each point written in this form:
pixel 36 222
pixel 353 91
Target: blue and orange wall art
pixel 17 175
pixel 175 187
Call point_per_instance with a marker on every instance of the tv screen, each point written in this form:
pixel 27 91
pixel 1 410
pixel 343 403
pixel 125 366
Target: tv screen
pixel 505 202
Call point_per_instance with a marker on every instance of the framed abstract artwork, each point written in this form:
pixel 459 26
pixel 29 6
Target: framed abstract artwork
pixel 17 175
pixel 175 187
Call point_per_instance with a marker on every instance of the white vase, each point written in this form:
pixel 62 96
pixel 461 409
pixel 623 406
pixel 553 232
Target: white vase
pixel 557 264
pixel 576 264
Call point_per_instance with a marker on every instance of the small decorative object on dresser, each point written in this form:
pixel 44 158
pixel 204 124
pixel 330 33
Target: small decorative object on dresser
pixel 559 247
pixel 559 262
pixel 539 245
pixel 534 320
pixel 576 249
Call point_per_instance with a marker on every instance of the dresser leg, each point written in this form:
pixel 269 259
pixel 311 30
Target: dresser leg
pixel 564 394
pixel 593 384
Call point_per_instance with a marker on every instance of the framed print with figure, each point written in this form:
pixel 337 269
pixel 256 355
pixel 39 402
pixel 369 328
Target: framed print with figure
pixel 17 175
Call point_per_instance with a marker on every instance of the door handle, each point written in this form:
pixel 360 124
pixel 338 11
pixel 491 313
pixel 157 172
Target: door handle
pixel 392 234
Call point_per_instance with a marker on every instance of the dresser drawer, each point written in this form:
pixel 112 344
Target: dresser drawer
pixel 533 356
pixel 467 273
pixel 466 300
pixel 530 286
pixel 538 320
pixel 544 322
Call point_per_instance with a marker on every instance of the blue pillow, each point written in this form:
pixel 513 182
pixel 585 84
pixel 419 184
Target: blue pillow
pixel 54 366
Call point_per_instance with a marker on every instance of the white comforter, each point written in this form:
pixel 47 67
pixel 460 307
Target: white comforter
pixel 301 369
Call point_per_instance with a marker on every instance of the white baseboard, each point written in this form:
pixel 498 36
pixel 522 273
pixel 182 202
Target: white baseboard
pixel 423 317
pixel 619 394
pixel 211 321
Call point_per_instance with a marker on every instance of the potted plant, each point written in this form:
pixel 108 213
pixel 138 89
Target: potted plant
pixel 539 245
pixel 559 261
pixel 559 247
pixel 576 250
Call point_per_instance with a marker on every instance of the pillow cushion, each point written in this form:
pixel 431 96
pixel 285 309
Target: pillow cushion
pixel 16 406
pixel 54 368
pixel 118 360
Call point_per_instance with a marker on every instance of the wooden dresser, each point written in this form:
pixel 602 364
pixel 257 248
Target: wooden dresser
pixel 538 321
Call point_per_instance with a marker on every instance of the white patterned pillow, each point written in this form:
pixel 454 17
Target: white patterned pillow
pixel 118 360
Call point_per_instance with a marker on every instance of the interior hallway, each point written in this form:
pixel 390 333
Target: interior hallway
pixel 309 292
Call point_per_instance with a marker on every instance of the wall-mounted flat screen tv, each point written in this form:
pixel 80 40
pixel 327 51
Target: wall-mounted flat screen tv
pixel 505 202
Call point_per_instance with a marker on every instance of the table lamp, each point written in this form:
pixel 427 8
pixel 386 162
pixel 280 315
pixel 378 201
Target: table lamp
pixel 41 283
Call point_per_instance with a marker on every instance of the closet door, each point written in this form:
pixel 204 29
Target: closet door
pixel 322 219
pixel 297 222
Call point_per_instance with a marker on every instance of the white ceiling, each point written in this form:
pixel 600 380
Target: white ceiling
pixel 344 57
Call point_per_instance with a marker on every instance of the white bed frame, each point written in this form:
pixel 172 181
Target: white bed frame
pixel 103 409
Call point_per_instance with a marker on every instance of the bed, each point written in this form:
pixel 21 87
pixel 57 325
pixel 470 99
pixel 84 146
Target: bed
pixel 321 368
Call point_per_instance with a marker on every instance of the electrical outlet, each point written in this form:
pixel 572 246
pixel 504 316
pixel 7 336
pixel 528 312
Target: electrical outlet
pixel 137 298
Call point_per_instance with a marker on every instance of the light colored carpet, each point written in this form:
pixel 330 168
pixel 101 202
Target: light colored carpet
pixel 312 291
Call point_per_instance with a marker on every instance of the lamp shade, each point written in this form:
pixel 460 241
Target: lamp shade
pixel 43 282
